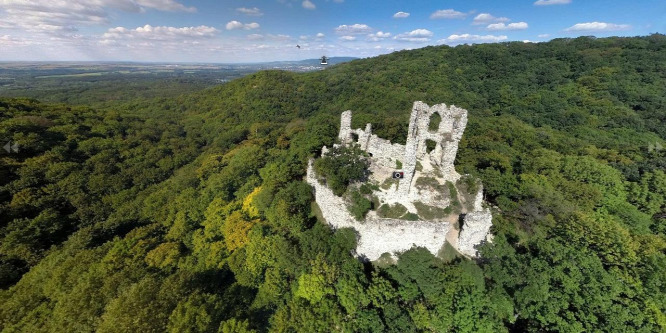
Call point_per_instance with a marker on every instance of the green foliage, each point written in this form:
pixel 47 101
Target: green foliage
pixel 394 211
pixel 410 217
pixel 341 166
pixel 367 188
pixel 431 212
pixel 190 213
pixel 435 119
pixel 389 182
pixel 430 145
pixel 359 205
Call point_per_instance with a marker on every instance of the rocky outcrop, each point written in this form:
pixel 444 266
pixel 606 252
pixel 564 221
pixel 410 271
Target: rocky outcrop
pixel 433 166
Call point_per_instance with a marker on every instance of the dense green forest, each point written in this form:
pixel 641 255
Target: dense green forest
pixel 190 214
pixel 105 87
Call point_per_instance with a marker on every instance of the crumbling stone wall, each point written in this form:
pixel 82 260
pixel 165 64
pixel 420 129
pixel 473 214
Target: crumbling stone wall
pixel 378 235
pixel 476 225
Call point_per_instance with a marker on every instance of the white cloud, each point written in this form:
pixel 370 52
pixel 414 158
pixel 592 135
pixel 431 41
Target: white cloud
pixel 231 25
pixel 597 26
pixel 353 29
pixel 279 37
pixel 376 37
pixel 234 25
pixel 307 4
pixel 250 11
pixel 485 18
pixel 347 38
pixel 9 41
pixel 447 14
pixel 400 15
pixel 255 37
pixel 160 32
pixel 165 5
pixel 543 35
pixel 60 17
pixel 418 35
pixel 253 25
pixel 510 26
pixel 468 39
pixel 551 2
pixel 320 35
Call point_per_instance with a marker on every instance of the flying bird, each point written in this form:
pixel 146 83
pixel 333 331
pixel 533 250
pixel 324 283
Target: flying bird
pixel 298 46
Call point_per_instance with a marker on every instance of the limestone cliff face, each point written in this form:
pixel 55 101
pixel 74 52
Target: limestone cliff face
pixel 427 189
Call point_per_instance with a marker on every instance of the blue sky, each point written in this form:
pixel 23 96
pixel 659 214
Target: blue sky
pixel 231 31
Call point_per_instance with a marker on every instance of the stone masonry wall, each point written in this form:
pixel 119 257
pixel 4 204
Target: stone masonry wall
pixel 379 235
pixel 476 226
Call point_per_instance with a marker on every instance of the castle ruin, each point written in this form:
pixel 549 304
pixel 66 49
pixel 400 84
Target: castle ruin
pixel 431 189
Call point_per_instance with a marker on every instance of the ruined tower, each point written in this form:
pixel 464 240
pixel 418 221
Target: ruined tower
pixel 428 186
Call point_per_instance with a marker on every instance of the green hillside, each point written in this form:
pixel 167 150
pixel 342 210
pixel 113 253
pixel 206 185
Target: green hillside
pixel 190 214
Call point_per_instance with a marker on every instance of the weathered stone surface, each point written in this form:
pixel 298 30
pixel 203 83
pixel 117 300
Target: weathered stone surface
pixel 474 231
pixel 378 235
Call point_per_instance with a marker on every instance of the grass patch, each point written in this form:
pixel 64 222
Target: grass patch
pixel 468 187
pixel 455 203
pixel 452 190
pixel 429 182
pixel 430 212
pixel 447 253
pixel 388 182
pixel 368 188
pixel 316 212
pixel 435 119
pixel 391 212
pixel 430 145
pixel 410 217
pixel 419 166
pixel 398 164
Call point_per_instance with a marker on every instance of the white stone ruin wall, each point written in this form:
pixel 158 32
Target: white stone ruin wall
pixel 476 225
pixel 345 127
pixel 377 235
pixel 411 148
pixel 450 130
pixel 384 151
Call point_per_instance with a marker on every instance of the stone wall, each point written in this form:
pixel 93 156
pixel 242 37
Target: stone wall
pixel 475 228
pixel 446 138
pixel 378 235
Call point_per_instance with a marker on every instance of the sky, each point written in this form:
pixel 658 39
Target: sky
pixel 242 31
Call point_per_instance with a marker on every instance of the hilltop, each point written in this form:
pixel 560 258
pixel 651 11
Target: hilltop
pixel 192 213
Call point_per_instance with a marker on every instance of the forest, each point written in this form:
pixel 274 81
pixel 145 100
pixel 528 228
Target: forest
pixel 190 213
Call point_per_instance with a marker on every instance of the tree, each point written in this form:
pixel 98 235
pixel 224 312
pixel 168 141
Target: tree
pixel 341 166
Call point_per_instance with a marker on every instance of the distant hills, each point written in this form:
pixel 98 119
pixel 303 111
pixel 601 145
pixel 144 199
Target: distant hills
pixel 317 61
